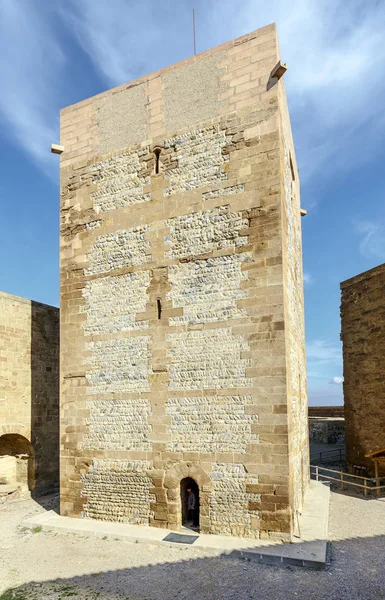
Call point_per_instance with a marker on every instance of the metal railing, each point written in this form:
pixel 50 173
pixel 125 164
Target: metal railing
pixel 344 479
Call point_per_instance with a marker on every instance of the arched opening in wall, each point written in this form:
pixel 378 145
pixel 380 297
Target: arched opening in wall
pixel 17 461
pixel 189 497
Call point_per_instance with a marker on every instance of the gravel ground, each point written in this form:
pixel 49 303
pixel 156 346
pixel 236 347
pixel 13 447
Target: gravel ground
pixel 48 566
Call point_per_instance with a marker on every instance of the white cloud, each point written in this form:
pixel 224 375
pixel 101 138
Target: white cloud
pixel 323 358
pixel 334 49
pixel 31 60
pixel 120 38
pixel 308 279
pixel 323 352
pixel 337 380
pixel 372 244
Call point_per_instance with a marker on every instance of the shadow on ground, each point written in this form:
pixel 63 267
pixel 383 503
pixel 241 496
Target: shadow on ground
pixel 355 572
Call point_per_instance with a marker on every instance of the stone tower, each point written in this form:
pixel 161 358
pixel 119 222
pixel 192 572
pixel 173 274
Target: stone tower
pixel 183 352
pixel 363 344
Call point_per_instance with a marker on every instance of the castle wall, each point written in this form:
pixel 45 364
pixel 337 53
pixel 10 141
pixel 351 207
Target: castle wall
pixel 174 351
pixel 296 380
pixel 29 389
pixel 362 335
pixel 326 412
pixel 327 430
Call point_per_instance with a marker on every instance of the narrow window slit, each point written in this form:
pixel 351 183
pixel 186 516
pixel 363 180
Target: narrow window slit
pixel 159 308
pixel 292 168
pixel 157 160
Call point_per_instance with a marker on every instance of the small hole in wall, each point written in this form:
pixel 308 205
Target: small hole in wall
pixel 157 160
pixel 159 308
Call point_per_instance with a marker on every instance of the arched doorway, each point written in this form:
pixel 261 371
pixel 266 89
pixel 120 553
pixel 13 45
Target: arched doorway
pixel 189 497
pixel 16 452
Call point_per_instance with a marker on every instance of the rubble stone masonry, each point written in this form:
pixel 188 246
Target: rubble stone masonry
pixel 183 351
pixel 363 339
pixel 29 393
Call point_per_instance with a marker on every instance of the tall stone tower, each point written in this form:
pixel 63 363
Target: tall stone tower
pixel 183 352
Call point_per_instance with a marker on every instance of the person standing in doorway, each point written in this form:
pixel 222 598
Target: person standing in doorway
pixel 192 508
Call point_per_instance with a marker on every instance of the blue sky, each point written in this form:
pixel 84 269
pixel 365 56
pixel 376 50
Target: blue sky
pixel 60 52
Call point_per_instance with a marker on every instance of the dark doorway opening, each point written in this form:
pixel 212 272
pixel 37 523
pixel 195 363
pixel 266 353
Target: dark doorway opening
pixel 189 496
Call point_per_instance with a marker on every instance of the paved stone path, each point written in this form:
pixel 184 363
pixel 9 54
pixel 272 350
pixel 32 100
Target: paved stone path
pixel 70 566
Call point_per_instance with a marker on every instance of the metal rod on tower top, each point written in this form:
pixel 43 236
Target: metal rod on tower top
pixel 195 47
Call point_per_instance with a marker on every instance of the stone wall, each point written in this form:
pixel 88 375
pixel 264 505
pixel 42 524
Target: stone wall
pixel 118 365
pixel 118 250
pixel 336 412
pixel 363 342
pixel 208 289
pixel 219 422
pixel 106 301
pixel 326 430
pixel 175 354
pixel 121 180
pixel 296 382
pixel 118 490
pixel 29 390
pixel 118 425
pixel 232 504
pixel 208 359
